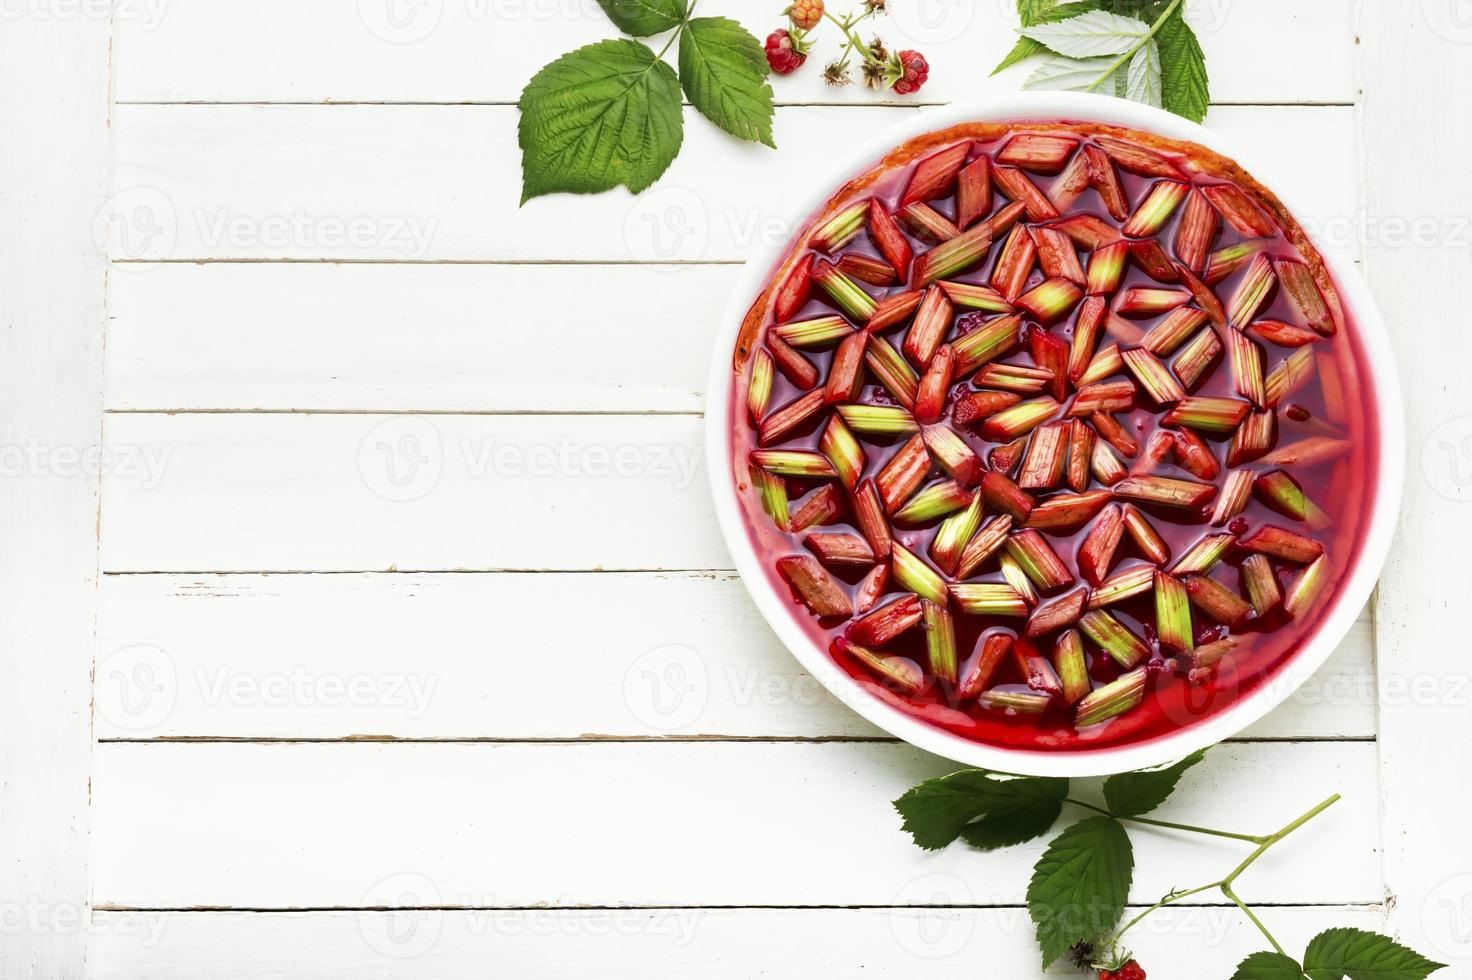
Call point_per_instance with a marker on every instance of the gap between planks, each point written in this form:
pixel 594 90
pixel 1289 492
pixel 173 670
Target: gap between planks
pixel 297 909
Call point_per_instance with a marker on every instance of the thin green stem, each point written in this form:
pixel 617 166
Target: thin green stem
pixel 1154 28
pixel 677 31
pixel 1274 838
pixel 1227 891
pixel 1170 899
pixel 847 26
pixel 1249 838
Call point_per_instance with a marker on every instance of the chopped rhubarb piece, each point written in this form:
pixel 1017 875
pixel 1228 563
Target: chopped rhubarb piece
pixel 1037 673
pixel 935 176
pixel 840 229
pixel 1152 260
pixel 1016 185
pixel 1233 499
pixel 952 453
pixel 1072 669
pixel 1144 301
pixel 1156 209
pixel 1166 337
pixel 985 544
pixel 902 475
pixel 1105 180
pixel 1113 637
pixel 1013 377
pixel 1155 378
pixel 940 640
pixel 772 492
pixel 822 331
pixel 1050 354
pixel 1067 511
pixel 1219 416
pixel 970 296
pixel 843 291
pixel 1087 230
pixel 1239 210
pixel 1165 491
pixel 869 516
pixel 993 650
pixel 1225 261
pixel 823 506
pixel 878 420
pixel 1118 697
pixel 1202 556
pixel 952 257
pixel 846 373
pixel 1005 496
pixel 988 599
pixel 1057 256
pixel 1260 583
pixel 844 453
pixel 1014 264
pixel 1115 434
pixel 974 406
pixel 1217 601
pixel 790 417
pixel 1072 181
pixel 979 345
pixel 1307 588
pixel 954 534
pixel 1018 420
pixel 1281 492
pixel 1038 559
pixel 928 224
pixel 1042 465
pixel 1193 455
pixel 1104 396
pixel 892 371
pixel 794 367
pixel 1122 330
pixel 1279 542
pixel 1291 374
pixel 1252 292
pixel 1106 466
pixel 885 233
pixel 1282 334
pixel 794 291
pixel 1253 438
pixel 1196 358
pixel 1007 457
pixel 935 383
pixel 1160 448
pixel 1137 159
pixel 1096 554
pixel 1197 231
pixel 1038 153
pixel 1205 658
pixel 1015 702
pixel 1057 613
pixel 1005 217
pixel 1304 295
pixel 759 386
pixel 900 673
pixel 1202 294
pixel 1106 268
pixel 1172 614
pixel 1105 362
pixel 876 272
pixel 813 586
pixel 1016 578
pixel 787 462
pixel 1086 330
pixel 893 310
pixel 1080 455
pixel 871 589
pixel 1246 360
pixel 1143 534
pixel 840 548
pixel 911 572
pixel 973 191
pixel 1050 301
pixel 933 503
pixel 1124 584
pixel 1307 452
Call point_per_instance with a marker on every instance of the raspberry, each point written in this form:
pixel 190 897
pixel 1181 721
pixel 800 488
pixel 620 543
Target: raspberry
pixel 1130 971
pixel 917 69
pixel 1238 525
pixel 782 54
pixel 806 13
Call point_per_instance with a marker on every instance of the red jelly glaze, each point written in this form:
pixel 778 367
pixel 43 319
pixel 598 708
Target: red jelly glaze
pixel 1343 488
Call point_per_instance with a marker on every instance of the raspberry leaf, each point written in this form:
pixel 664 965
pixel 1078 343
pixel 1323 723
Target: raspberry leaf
pixel 1028 811
pixel 1094 34
pixel 603 115
pixel 723 71
pixel 938 810
pixel 1143 82
pixel 1360 955
pixel 1268 966
pixel 642 18
pixel 1184 86
pixel 1133 794
pixel 1034 12
pixel 1080 884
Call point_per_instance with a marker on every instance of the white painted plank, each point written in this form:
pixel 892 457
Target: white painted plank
pixel 54 77
pixel 649 823
pixel 679 944
pixel 442 183
pixel 454 656
pixel 413 337
pixel 485 50
pixel 414 493
pixel 1417 179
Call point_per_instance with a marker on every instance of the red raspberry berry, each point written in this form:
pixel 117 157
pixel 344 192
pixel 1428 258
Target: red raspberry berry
pixel 782 54
pixel 1130 971
pixel 917 69
pixel 806 13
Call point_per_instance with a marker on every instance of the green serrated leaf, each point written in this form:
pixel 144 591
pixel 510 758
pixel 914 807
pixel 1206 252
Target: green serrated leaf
pixel 724 72
pixel 1094 34
pixel 1028 810
pixel 1143 82
pixel 1080 884
pixel 1040 12
pixel 1268 966
pixel 1133 794
pixel 1185 89
pixel 1069 74
pixel 1338 953
pixel 938 810
pixel 1032 12
pixel 642 18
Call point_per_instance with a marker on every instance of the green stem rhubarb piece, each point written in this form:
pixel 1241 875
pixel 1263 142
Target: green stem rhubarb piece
pixel 940 640
pixel 840 229
pixel 844 453
pixel 1122 585
pixel 773 493
pixel 988 599
pixel 1112 700
pixel 1073 670
pixel 933 503
pixel 844 292
pixel 954 534
pixel 1113 637
pixel 1173 614
pixel 914 575
pixel 1020 702
pixel 788 462
pixel 878 420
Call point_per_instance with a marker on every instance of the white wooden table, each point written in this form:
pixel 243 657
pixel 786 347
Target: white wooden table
pixel 416 650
